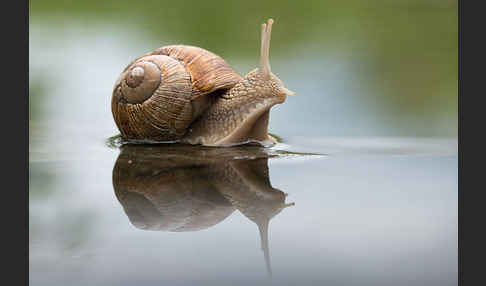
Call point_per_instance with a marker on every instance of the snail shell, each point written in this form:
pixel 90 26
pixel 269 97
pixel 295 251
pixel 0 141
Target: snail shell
pixel 160 94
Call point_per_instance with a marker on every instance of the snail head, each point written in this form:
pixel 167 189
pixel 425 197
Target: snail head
pixel 242 113
pixel 263 74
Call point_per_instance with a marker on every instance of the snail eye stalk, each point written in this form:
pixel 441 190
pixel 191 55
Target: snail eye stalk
pixel 265 47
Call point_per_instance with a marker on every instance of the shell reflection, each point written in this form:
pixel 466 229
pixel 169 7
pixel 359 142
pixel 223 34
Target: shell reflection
pixel 186 188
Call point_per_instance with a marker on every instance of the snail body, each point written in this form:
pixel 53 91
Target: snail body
pixel 190 95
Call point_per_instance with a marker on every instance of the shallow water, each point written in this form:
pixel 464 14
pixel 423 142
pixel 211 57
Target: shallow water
pixel 367 212
pixel 357 192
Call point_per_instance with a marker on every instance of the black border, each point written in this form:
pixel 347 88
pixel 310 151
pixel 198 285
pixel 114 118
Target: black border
pixel 15 141
pixel 471 78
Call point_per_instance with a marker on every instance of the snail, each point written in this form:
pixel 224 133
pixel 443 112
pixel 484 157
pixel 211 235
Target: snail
pixel 187 94
pixel 181 188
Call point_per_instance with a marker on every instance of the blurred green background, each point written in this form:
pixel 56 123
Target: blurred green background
pixel 360 68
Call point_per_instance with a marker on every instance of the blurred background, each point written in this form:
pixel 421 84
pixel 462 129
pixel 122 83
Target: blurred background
pixel 360 68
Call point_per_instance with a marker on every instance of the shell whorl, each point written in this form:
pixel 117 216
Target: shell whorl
pixel 153 99
pixel 140 82
pixel 160 94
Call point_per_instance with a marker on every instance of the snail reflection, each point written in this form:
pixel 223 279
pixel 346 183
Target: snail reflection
pixel 185 188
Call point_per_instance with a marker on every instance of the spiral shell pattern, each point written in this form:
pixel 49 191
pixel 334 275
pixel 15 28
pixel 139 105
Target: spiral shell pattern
pixel 160 94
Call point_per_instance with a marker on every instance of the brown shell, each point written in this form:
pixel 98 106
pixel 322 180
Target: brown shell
pixel 209 72
pixel 161 93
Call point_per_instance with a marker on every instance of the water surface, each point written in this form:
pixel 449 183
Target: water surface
pixel 375 212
